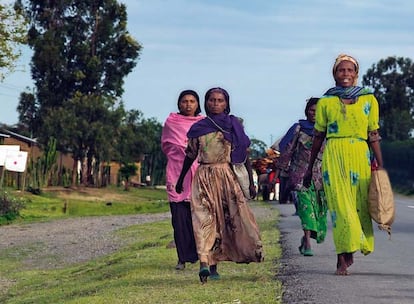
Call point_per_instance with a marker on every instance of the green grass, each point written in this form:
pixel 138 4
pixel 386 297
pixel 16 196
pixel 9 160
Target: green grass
pixel 143 272
pixel 64 203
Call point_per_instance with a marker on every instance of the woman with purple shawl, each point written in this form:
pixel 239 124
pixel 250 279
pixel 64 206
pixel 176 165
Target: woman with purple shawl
pixel 225 228
pixel 173 144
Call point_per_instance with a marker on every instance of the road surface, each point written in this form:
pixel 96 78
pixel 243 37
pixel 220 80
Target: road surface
pixel 384 276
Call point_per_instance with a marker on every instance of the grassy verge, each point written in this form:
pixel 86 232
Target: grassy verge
pixel 63 203
pixel 143 272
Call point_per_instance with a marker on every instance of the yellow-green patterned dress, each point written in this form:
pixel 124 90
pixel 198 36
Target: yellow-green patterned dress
pixel 346 168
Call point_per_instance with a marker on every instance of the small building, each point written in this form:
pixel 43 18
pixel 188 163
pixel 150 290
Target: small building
pixel 64 161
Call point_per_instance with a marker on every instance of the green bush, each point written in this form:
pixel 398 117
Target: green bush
pixel 10 207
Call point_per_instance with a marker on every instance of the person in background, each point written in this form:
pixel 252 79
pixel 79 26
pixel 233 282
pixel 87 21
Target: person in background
pixel 311 204
pixel 348 117
pixel 173 144
pixel 225 228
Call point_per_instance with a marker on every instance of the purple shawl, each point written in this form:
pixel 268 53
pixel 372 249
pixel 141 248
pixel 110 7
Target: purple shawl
pixel 232 130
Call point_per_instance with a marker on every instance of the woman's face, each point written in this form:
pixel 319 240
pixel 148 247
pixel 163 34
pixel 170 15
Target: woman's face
pixel 345 74
pixel 310 115
pixel 216 103
pixel 188 105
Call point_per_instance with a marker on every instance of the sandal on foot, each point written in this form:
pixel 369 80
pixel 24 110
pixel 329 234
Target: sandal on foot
pixel 180 266
pixel 204 274
pixel 308 252
pixel 302 245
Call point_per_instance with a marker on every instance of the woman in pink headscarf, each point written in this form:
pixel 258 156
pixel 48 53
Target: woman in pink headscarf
pixel 173 143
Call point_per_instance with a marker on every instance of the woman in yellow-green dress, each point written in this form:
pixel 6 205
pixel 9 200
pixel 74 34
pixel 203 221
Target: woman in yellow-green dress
pixel 347 116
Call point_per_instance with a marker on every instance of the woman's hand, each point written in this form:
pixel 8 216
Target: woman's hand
pixel 307 178
pixel 179 186
pixel 252 190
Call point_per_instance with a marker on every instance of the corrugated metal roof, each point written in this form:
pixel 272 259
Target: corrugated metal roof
pixel 21 137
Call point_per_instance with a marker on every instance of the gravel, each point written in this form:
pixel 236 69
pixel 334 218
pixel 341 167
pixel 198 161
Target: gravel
pixel 58 243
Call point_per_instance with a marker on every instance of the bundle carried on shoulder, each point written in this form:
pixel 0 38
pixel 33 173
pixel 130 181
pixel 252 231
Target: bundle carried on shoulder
pixel 381 204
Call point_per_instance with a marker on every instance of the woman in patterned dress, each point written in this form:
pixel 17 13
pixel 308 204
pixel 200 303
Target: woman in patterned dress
pixel 294 159
pixel 225 228
pixel 348 117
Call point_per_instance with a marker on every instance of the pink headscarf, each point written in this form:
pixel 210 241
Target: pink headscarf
pixel 173 144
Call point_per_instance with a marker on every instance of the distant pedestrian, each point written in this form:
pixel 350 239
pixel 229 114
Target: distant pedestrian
pixel 310 203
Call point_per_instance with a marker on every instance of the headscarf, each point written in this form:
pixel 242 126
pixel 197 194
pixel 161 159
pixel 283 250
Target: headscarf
pixel 229 125
pixel 190 92
pixel 217 90
pixel 349 92
pixel 344 57
pixel 306 126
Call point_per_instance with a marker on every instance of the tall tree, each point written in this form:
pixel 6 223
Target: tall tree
pixel 140 139
pixel 82 53
pixel 257 148
pixel 392 80
pixel 13 33
pixel 27 110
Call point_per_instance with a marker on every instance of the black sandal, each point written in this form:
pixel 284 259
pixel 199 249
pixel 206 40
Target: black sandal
pixel 204 274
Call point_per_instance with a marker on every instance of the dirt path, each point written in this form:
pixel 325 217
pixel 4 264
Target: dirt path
pixel 57 243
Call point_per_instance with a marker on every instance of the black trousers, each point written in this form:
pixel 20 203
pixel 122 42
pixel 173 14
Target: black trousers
pixel 183 232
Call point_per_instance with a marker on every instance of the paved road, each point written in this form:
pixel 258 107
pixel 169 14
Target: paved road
pixel 385 276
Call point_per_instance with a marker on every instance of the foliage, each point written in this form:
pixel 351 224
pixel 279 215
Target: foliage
pixel 154 161
pixel 143 272
pixel 86 127
pixel 126 171
pixel 82 52
pixel 130 144
pixel 58 203
pixel 39 172
pixel 139 139
pixel 10 207
pixel 13 34
pixel 257 148
pixel 28 111
pixel 392 80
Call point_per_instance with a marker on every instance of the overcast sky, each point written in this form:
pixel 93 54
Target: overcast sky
pixel 269 55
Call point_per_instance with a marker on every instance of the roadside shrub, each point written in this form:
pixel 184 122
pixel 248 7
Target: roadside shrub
pixel 10 207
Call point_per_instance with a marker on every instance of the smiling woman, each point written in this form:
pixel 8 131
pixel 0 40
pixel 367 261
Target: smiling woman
pixel 348 116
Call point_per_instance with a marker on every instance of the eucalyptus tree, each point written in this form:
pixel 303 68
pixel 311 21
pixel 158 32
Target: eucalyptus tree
pixel 13 34
pixel 392 80
pixel 82 51
pixel 140 139
pixel 257 148
pixel 154 162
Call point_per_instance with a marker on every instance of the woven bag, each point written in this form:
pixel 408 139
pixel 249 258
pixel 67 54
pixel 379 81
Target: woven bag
pixel 381 204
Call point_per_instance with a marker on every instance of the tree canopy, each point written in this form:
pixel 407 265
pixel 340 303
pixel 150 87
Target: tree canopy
pixel 82 51
pixel 392 80
pixel 13 33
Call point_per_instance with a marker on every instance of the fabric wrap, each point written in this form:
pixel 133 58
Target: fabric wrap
pixel 242 175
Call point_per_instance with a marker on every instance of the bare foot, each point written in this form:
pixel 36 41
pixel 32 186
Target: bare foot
pixel 349 258
pixel 341 265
